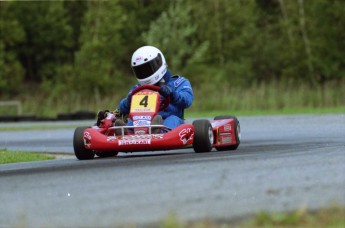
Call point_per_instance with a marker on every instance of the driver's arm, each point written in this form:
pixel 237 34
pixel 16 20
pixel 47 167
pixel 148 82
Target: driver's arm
pixel 182 95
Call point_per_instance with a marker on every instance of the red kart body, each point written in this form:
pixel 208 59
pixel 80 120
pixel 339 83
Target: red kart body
pixel 179 137
pixel 223 133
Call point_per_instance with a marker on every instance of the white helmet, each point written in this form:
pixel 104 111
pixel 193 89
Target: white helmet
pixel 149 65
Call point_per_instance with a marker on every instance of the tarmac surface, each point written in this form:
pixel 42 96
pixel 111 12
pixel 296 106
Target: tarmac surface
pixel 283 163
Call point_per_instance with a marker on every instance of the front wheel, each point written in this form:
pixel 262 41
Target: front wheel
pixel 237 130
pixel 106 154
pixel 78 144
pixel 203 136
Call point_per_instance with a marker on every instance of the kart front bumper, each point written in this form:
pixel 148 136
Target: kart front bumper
pixel 179 137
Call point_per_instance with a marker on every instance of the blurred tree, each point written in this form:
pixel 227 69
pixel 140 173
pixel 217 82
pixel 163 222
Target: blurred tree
pixel 174 33
pixel 11 35
pixel 87 45
pixel 230 29
pixel 315 54
pixel 75 13
pixel 48 38
pixel 325 21
pixel 96 63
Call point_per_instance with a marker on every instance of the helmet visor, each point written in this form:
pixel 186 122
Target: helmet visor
pixel 149 68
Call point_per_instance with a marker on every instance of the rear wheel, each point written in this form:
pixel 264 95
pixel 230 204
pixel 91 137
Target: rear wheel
pixel 237 131
pixel 203 136
pixel 78 144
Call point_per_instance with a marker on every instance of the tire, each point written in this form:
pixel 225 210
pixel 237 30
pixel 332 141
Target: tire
pixel 203 136
pixel 102 154
pixel 237 133
pixel 78 144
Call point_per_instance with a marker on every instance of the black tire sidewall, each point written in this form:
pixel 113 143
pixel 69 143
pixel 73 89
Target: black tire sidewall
pixel 78 144
pixel 202 142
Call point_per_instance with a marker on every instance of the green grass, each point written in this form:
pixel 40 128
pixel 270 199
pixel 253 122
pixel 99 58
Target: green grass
pixel 290 111
pixel 258 99
pixel 273 97
pixel 37 127
pixel 7 157
pixel 332 217
pixel 329 217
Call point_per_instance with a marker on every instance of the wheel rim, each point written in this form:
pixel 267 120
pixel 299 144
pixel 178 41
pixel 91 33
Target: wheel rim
pixel 239 132
pixel 210 134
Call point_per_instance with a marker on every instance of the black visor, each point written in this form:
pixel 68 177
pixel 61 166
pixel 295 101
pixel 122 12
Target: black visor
pixel 149 68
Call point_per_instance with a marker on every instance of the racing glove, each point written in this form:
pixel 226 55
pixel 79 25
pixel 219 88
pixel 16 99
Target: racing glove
pixel 165 91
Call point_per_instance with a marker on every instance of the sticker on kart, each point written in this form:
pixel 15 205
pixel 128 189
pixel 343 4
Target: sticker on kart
pixel 186 135
pixel 144 103
pixel 124 142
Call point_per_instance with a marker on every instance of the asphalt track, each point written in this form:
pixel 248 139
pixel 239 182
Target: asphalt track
pixel 283 163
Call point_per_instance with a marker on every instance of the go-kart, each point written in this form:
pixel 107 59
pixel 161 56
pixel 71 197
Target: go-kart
pixel 105 140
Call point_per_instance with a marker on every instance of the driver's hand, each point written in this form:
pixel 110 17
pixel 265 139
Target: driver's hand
pixel 165 91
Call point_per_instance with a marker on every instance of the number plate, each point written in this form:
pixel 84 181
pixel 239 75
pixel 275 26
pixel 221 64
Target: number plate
pixel 144 103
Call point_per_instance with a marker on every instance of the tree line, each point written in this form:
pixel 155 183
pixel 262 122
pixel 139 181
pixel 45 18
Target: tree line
pixel 87 45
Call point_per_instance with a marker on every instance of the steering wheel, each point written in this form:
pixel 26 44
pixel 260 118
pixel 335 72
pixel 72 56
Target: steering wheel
pixel 163 105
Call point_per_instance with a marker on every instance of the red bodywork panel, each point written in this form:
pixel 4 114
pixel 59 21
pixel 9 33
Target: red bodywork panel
pixel 223 131
pixel 179 137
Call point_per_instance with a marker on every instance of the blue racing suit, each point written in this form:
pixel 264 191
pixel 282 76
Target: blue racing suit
pixel 181 98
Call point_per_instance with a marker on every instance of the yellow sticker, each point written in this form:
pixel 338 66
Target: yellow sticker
pixel 144 102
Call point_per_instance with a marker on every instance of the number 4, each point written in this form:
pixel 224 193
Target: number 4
pixel 144 101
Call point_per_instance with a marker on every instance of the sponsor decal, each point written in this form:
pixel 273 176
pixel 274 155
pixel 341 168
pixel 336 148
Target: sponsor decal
pixel 179 81
pixel 186 134
pixel 135 137
pixel 140 132
pixel 111 138
pixel 139 58
pixel 226 139
pixel 227 127
pixel 143 110
pixel 87 139
pixel 142 118
pixel 158 136
pixel 141 123
pixel 124 142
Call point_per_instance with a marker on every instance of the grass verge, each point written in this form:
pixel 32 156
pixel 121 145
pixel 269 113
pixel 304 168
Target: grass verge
pixel 327 217
pixel 256 112
pixel 257 99
pixel 7 157
pixel 37 127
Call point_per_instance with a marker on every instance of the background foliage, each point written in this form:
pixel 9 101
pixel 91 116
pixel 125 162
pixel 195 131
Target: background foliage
pixel 82 49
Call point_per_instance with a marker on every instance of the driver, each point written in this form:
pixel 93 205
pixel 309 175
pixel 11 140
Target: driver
pixel 150 68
